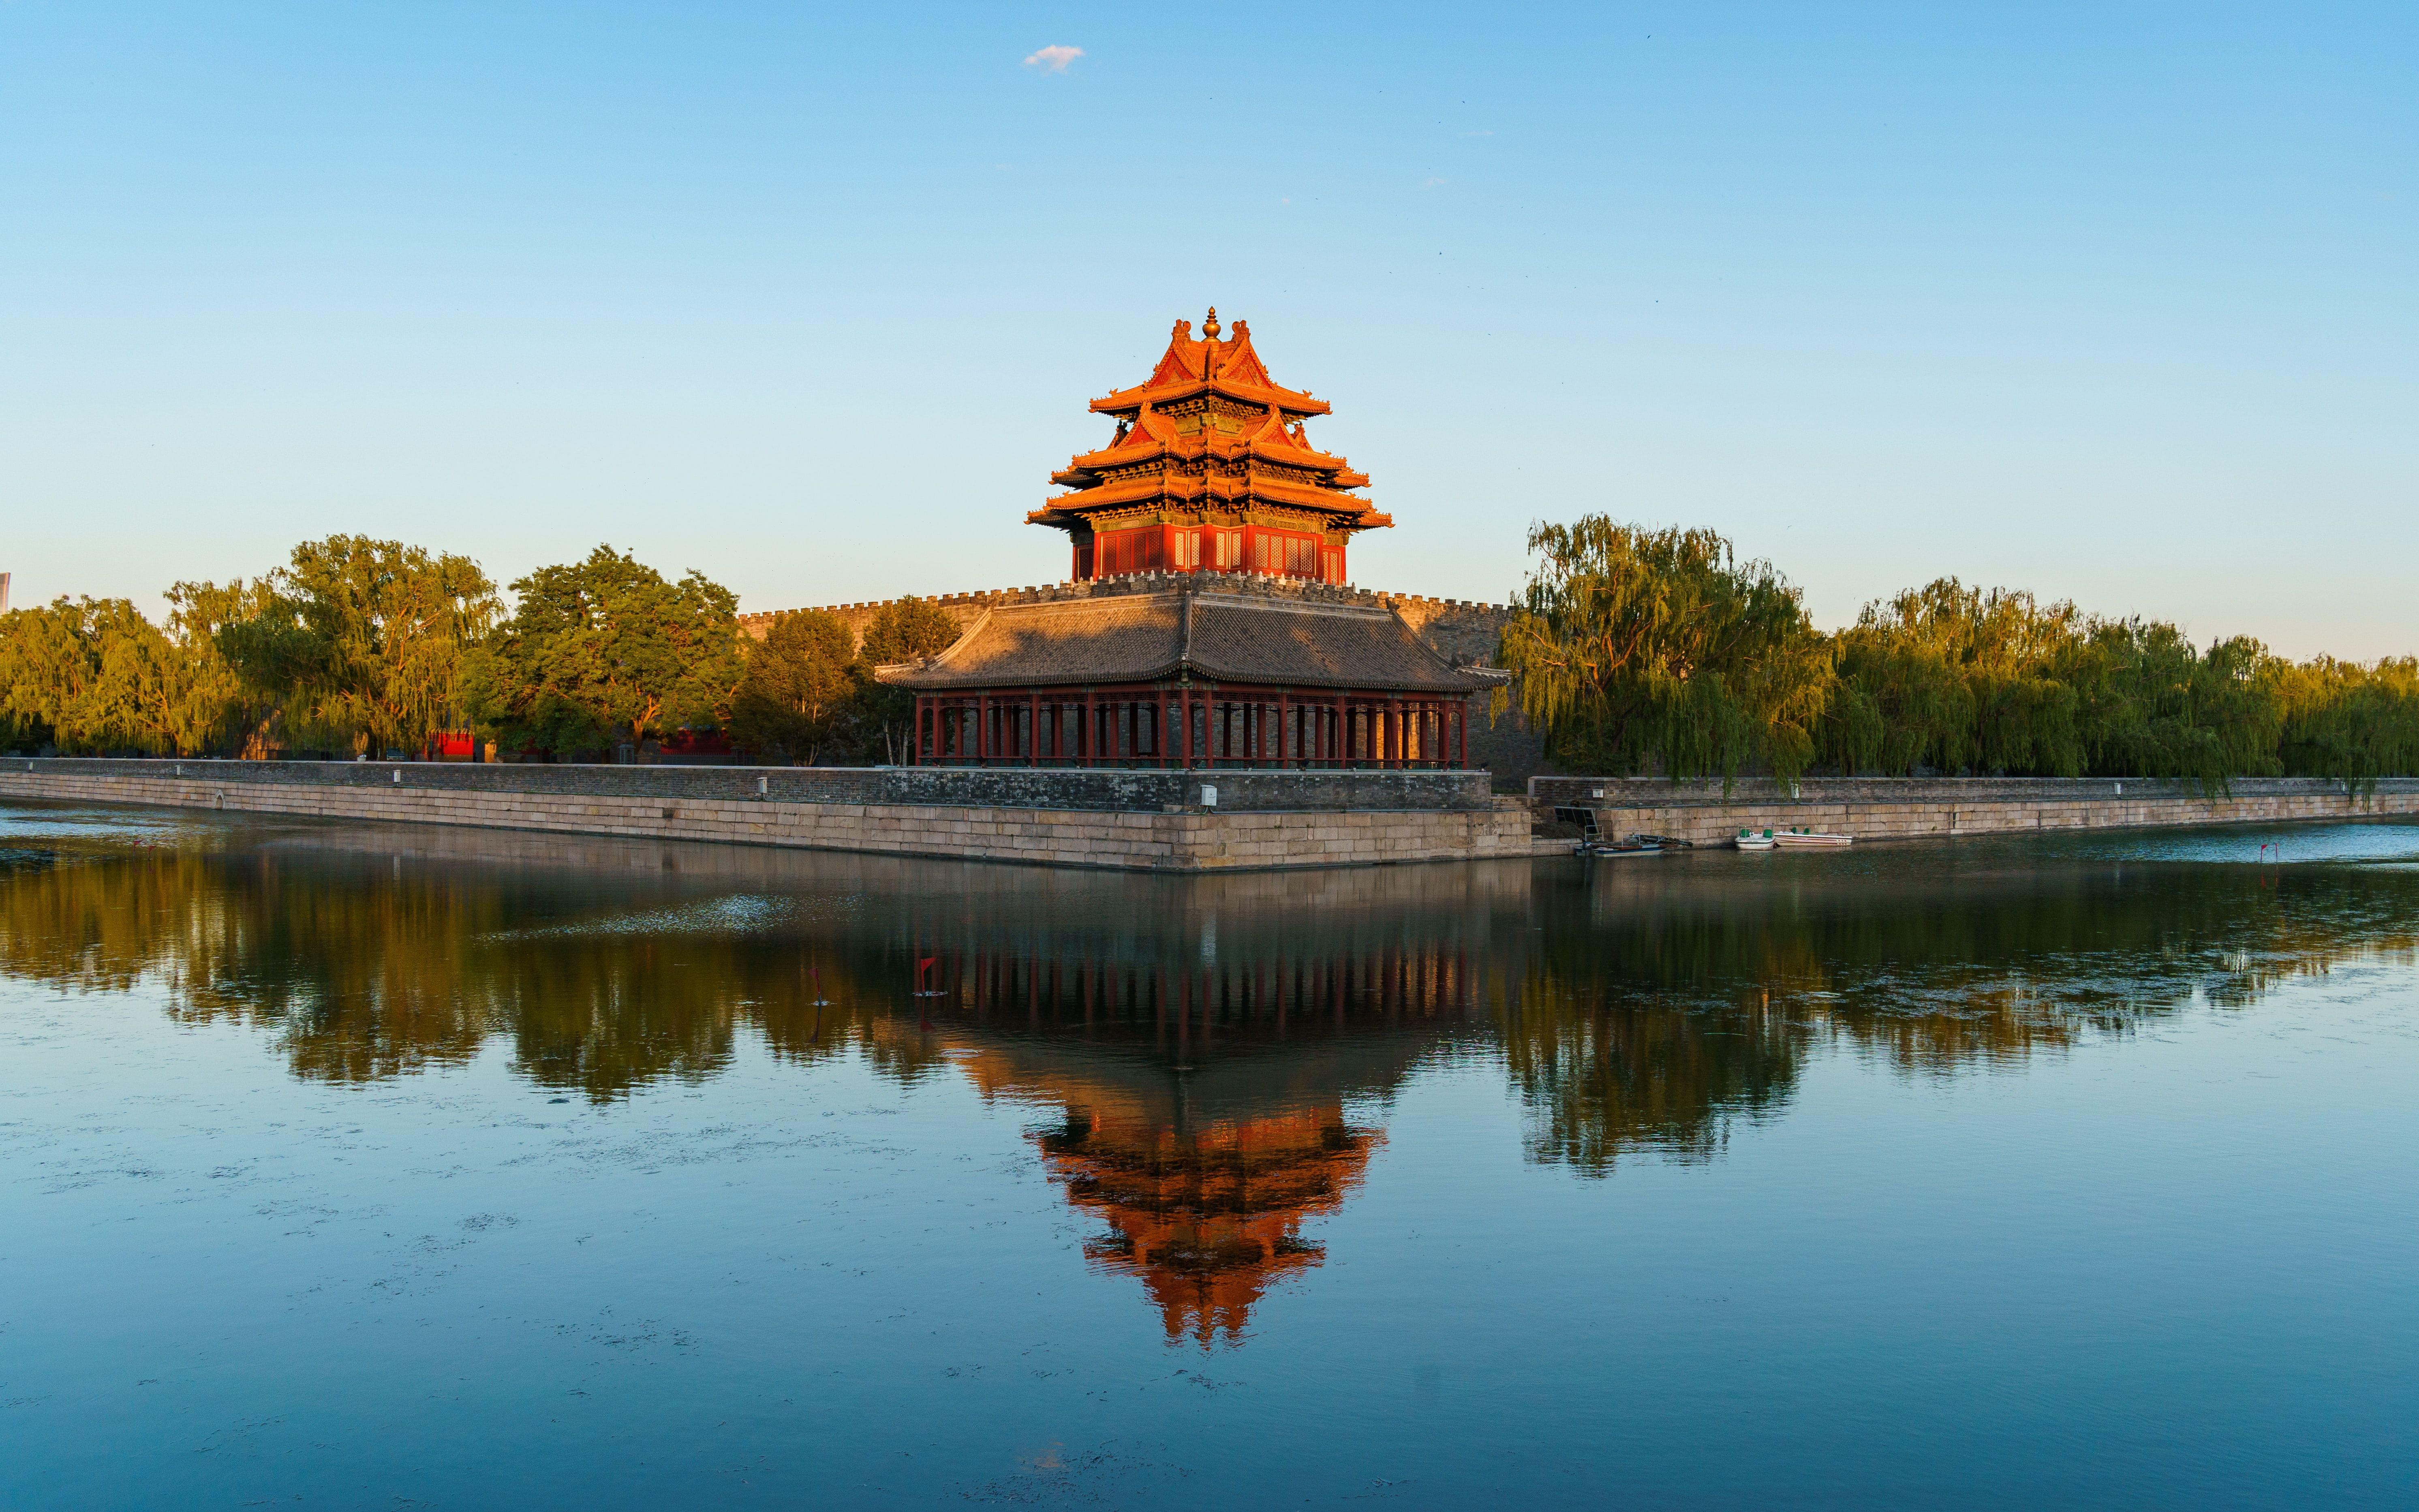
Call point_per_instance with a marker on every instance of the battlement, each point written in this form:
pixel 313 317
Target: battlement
pixel 1419 608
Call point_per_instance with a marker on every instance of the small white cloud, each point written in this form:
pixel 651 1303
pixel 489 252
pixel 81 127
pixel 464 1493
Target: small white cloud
pixel 1430 183
pixel 1054 58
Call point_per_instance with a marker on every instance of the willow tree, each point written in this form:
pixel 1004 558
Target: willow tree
pixel 2351 721
pixel 2152 704
pixel 86 676
pixel 219 711
pixel 1953 679
pixel 1635 648
pixel 362 642
pixel 94 676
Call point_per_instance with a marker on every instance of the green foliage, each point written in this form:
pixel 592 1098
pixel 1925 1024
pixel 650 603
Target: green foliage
pixel 2350 722
pixel 93 676
pixel 796 695
pixel 1949 678
pixel 1637 647
pixel 2154 706
pixel 221 713
pixel 1946 678
pixel 88 675
pixel 362 642
pixel 606 650
pixel 904 629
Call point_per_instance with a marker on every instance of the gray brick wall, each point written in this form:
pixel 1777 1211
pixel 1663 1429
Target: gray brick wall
pixel 1102 789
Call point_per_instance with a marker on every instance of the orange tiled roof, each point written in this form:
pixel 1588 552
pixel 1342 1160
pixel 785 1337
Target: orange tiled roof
pixel 1210 428
pixel 1190 367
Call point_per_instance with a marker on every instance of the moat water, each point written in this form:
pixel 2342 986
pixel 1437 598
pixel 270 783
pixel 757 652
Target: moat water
pixel 357 1167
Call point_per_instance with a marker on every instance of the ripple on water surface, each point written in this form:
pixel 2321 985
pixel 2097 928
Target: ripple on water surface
pixel 359 1166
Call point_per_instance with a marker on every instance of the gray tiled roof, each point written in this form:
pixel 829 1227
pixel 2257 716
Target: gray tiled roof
pixel 1217 637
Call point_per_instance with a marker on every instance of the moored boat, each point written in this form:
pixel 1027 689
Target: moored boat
pixel 1754 839
pixel 1634 845
pixel 1792 838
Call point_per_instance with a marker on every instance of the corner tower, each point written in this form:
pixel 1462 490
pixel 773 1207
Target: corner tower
pixel 1210 470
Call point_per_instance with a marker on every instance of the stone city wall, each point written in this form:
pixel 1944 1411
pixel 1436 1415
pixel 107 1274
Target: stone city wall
pixel 685 808
pixel 1932 807
pixel 1111 788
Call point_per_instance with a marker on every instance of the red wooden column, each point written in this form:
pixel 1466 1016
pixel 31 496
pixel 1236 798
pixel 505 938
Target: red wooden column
pixel 1088 746
pixel 1285 721
pixel 1033 734
pixel 1461 725
pixel 1394 733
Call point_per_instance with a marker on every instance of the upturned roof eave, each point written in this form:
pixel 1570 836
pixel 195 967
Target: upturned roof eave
pixel 1190 492
pixel 1125 401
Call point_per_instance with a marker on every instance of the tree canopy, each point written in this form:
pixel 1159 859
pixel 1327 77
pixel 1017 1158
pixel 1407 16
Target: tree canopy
pixel 1641 649
pixel 363 642
pixel 606 650
pixel 797 693
pixel 1638 647
pixel 904 629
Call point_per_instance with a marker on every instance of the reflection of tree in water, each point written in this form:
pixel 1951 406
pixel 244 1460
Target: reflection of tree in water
pixel 1663 999
pixel 1209 1057
pixel 367 967
pixel 1641 1007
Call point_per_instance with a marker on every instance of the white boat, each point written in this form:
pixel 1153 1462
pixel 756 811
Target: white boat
pixel 1753 840
pixel 1792 838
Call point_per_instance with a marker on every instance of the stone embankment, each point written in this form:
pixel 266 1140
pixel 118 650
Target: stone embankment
pixel 1874 809
pixel 1129 820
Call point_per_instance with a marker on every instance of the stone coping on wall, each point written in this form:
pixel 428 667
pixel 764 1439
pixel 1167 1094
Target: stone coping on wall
pixel 1169 839
pixel 1097 789
pixel 1545 792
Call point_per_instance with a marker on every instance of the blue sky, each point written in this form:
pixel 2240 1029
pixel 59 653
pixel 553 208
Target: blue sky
pixel 2116 303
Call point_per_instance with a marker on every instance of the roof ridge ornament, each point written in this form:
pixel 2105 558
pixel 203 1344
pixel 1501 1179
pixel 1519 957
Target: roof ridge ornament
pixel 1210 327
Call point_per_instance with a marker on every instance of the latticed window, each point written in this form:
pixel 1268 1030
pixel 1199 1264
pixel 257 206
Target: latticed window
pixel 1287 555
pixel 1123 551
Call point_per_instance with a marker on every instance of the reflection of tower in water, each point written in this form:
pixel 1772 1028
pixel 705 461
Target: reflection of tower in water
pixel 1201 1102
pixel 1207 1217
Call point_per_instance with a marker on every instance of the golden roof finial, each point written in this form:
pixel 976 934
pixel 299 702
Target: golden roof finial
pixel 1210 327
